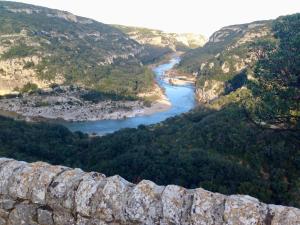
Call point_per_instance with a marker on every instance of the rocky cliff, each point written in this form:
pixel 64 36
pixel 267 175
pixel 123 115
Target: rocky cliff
pixel 221 64
pixel 174 41
pixel 42 194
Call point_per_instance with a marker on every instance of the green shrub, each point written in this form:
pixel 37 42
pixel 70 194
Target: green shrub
pixel 28 65
pixel 29 87
pixel 20 51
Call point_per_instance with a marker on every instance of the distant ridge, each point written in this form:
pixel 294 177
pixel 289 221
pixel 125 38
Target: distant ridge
pixel 173 41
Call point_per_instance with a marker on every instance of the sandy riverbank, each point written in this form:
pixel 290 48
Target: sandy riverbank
pixel 176 77
pixel 159 104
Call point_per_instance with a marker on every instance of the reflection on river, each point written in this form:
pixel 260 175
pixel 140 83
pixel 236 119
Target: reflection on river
pixel 181 98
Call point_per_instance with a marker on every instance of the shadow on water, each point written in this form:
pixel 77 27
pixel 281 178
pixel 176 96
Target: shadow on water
pixel 181 97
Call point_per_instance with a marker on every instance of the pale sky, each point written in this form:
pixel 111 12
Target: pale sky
pixel 198 16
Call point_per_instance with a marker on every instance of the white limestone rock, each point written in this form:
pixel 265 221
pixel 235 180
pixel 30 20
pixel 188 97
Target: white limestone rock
pixel 112 203
pixel 144 204
pixel 6 172
pixel 4 160
pixel 43 181
pixel 40 194
pixel 283 215
pixel 62 190
pixel 176 202
pixel 244 210
pixel 86 192
pixel 23 181
pixel 23 214
pixel 207 208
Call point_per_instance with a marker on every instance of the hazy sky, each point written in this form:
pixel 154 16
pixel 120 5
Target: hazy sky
pixel 200 16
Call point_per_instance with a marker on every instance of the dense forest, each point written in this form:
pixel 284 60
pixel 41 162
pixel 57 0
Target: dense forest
pixel 245 142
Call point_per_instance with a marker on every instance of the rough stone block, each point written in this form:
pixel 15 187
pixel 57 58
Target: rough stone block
pixel 244 210
pixel 144 203
pixel 7 171
pixel 45 217
pixel 23 213
pixel 207 208
pixel 62 190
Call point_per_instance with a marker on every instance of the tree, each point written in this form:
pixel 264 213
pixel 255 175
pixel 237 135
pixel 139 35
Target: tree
pixel 277 90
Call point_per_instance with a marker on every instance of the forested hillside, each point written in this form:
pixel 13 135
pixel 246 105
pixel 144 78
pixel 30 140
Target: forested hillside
pixel 227 60
pixel 43 46
pixel 247 141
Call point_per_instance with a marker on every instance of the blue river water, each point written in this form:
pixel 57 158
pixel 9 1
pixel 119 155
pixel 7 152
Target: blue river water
pixel 181 97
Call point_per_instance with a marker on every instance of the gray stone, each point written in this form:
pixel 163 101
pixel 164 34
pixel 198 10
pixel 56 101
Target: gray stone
pixel 244 210
pixel 7 172
pixel 41 194
pixel 144 203
pixel 91 221
pixel 4 213
pixel 82 221
pixel 22 183
pixel 176 201
pixel 4 160
pixel 63 218
pixel 43 181
pixel 207 208
pixel 45 217
pixel 2 221
pixel 279 215
pixel 23 213
pixel 112 201
pixel 86 193
pixel 62 190
pixel 6 203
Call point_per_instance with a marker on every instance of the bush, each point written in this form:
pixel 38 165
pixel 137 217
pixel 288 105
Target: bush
pixel 28 65
pixel 29 87
pixel 20 51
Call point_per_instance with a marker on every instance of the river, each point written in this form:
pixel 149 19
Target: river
pixel 181 97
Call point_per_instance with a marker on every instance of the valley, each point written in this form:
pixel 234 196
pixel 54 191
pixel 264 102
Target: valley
pixel 169 112
pixel 94 73
pixel 226 144
pixel 99 113
pixel 175 100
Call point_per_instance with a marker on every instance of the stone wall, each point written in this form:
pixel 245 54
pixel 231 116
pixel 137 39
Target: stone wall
pixel 39 193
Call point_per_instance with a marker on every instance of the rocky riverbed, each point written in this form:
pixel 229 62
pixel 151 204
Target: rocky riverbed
pixel 70 103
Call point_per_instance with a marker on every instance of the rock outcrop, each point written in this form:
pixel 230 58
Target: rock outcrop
pixel 229 52
pixel 42 194
pixel 211 90
pixel 158 38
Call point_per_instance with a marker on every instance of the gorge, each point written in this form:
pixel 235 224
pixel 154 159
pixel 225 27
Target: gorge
pixel 181 98
pixel 196 161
